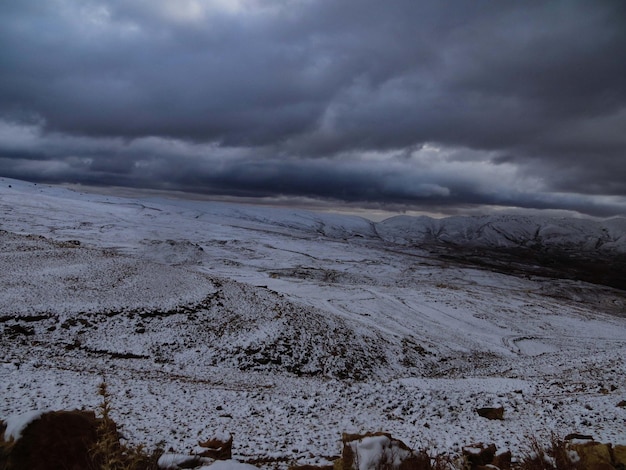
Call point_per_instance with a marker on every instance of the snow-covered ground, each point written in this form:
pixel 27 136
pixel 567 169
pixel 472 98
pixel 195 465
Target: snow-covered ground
pixel 287 328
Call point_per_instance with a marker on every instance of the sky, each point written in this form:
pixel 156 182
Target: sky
pixel 446 106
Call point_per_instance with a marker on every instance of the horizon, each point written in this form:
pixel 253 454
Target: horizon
pixel 415 106
pixel 371 213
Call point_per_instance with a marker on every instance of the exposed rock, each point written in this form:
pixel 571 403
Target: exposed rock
pixel 478 455
pixel 16 330
pixel 379 450
pixel 594 455
pixel 218 448
pixel 619 456
pixel 491 413
pixel 503 460
pixel 57 439
pixel 575 435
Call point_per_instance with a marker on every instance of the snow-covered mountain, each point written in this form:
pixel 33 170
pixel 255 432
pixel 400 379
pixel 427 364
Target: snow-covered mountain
pixel 288 327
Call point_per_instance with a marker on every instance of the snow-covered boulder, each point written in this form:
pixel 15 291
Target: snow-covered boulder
pixel 377 451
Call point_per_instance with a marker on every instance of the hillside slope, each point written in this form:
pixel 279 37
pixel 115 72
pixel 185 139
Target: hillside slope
pixel 287 327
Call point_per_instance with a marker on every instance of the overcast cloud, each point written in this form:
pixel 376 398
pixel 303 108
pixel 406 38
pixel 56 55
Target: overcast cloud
pixel 404 103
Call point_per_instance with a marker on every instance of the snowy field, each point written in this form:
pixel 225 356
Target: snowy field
pixel 287 328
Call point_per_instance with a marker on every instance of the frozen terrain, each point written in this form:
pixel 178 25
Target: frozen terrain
pixel 287 327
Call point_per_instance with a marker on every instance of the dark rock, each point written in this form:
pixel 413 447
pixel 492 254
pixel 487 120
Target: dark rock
pixel 503 460
pixel 576 435
pixel 619 456
pixel 57 439
pixel 16 330
pixel 479 454
pixel 491 413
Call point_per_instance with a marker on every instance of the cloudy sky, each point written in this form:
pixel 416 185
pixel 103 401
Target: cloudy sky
pixel 402 103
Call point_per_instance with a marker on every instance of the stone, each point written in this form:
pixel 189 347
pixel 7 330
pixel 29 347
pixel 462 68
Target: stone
pixel 594 455
pixel 478 455
pixel 575 435
pixel 218 448
pixel 503 460
pixel 619 456
pixel 491 413
pixel 57 439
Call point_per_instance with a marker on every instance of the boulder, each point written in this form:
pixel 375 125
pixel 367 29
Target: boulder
pixel 619 456
pixel 491 413
pixel 478 455
pixel 594 455
pixel 56 439
pixel 379 450
pixel 503 460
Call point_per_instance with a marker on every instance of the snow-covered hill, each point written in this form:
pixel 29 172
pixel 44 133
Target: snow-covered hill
pixel 288 327
pixel 509 231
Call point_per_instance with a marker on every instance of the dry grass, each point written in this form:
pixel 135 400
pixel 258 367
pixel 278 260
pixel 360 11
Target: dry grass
pixel 554 456
pixel 109 453
pixel 445 462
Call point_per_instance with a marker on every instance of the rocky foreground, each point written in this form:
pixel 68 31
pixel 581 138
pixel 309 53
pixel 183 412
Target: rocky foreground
pixel 79 440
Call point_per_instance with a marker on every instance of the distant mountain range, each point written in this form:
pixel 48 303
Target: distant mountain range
pixel 571 248
pixel 579 249
pixel 509 231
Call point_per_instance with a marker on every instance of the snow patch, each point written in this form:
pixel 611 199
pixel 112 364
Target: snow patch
pixel 228 465
pixel 370 451
pixel 18 422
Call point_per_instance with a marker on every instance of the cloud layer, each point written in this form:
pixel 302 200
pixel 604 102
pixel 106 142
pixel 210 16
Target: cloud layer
pixel 419 103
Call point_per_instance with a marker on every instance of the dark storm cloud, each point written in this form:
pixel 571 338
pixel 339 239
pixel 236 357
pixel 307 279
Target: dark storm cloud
pixel 519 104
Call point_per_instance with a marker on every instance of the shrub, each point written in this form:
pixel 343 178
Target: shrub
pixel 108 453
